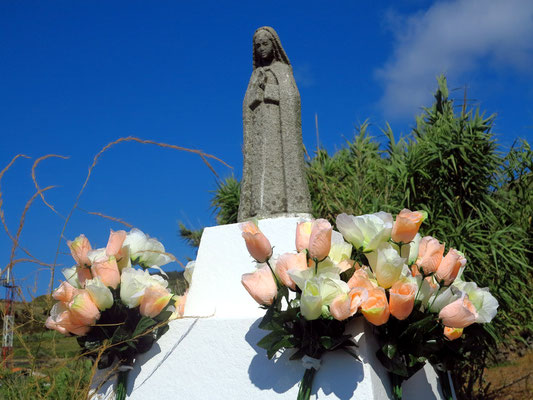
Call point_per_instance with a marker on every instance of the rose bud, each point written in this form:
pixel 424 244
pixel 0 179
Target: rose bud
pixel 257 244
pixel 155 298
pixel 261 285
pixel 114 244
pixel 320 239
pixel 449 266
pixel 376 308
pixel 303 233
pixel 402 299
pixel 288 262
pixel 406 225
pixel 430 252
pixel 459 314
pixel 452 333
pixel 79 249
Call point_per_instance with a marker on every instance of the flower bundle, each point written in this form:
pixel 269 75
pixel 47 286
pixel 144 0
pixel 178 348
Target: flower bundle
pixel 305 293
pixel 417 300
pixel 376 267
pixel 116 310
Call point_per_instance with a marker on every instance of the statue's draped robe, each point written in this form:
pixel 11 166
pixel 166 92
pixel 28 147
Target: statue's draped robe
pixel 274 179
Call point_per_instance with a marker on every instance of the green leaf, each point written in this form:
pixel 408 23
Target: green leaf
pixel 389 350
pixel 144 324
pixel 346 275
pixel 326 342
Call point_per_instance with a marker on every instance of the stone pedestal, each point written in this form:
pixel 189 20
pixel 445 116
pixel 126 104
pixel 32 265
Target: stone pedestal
pixel 212 352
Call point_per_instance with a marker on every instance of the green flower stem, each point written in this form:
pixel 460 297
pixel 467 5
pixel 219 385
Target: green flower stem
pixel 435 298
pixel 396 381
pixel 121 385
pixel 306 386
pixel 278 284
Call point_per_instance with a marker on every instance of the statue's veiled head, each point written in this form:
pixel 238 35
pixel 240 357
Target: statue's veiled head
pixel 267 48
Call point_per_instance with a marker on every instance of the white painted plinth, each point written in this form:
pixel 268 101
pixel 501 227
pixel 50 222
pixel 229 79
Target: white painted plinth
pixel 212 353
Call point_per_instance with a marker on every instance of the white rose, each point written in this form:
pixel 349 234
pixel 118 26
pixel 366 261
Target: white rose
pixel 134 282
pixel 485 303
pixel 386 264
pixel 100 293
pixel 71 275
pixel 366 231
pixel 146 251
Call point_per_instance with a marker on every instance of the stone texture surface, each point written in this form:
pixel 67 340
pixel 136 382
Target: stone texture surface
pixel 274 180
pixel 212 353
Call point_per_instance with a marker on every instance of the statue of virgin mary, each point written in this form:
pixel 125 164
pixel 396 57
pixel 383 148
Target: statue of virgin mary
pixel 274 180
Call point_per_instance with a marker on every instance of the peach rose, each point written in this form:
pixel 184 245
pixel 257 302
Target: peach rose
pixel 79 248
pixel 450 266
pixel 261 285
pixel 66 324
pixel 83 309
pixel 376 308
pixel 303 233
pixel 430 252
pixel 459 314
pixel 360 279
pixel 107 270
pixel 320 239
pixel 287 262
pixel 257 244
pixel 153 301
pixel 345 265
pixel 65 292
pixel 346 305
pixel 452 333
pixel 114 244
pixel 406 225
pixel 402 299
pixel 84 273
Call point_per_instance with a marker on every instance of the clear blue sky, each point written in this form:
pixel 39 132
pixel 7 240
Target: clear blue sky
pixel 77 75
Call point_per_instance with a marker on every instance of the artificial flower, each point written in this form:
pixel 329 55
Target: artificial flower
pixel 320 239
pixel 288 262
pixel 365 231
pixel 303 233
pixel 155 298
pixel 83 308
pixel 459 314
pixel 402 298
pixel 430 252
pixel 452 333
pixel 261 285
pixel 64 292
pixel 485 303
pixel 449 266
pixel 145 251
pixel 107 270
pixel 115 242
pixel 71 275
pixel 386 264
pixel 256 242
pixel 376 308
pixel 100 293
pixel 79 248
pixel 133 283
pixel 406 225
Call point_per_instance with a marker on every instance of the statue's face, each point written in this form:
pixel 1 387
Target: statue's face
pixel 263 46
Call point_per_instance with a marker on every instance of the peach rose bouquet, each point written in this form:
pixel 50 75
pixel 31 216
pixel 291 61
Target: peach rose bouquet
pixel 305 294
pixel 108 304
pixel 416 299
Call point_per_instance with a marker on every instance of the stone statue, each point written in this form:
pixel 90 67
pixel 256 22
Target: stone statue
pixel 274 179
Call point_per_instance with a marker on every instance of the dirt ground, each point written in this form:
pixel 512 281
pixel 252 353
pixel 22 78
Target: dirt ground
pixel 512 380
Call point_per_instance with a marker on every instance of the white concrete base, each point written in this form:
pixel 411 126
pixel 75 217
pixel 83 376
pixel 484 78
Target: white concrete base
pixel 212 353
